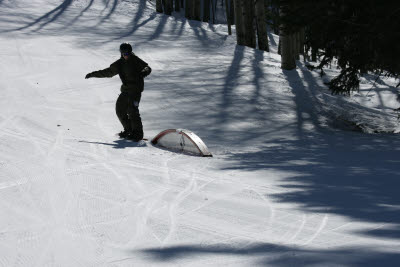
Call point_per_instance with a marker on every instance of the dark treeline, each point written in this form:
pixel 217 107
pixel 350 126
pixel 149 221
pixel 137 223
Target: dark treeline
pixel 249 16
pixel 359 35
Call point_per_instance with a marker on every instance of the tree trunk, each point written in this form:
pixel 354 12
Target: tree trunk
pixel 262 26
pixel 239 22
pixel 159 7
pixel 196 9
pixel 302 41
pixel 188 9
pixel 177 6
pixel 231 12
pixel 296 45
pixel 288 61
pixel 280 46
pixel 206 11
pixel 168 7
pixel 228 19
pixel 314 54
pixel 248 15
pixel 213 11
pixel 275 15
pixel 287 56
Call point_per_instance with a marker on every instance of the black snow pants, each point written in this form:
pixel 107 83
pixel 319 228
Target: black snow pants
pixel 127 109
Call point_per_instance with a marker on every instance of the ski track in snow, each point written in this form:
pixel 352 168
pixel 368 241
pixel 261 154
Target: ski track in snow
pixel 73 194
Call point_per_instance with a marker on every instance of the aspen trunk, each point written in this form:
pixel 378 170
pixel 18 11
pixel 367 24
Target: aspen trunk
pixel 168 7
pixel 177 6
pixel 280 46
pixel 275 14
pixel 261 26
pixel 296 45
pixel 206 11
pixel 288 61
pixel 239 22
pixel 196 9
pixel 213 11
pixel 231 12
pixel 248 15
pixel 159 7
pixel 314 54
pixel 302 41
pixel 188 9
pixel 228 19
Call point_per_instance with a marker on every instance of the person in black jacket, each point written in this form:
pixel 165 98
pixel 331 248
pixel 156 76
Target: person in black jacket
pixel 131 69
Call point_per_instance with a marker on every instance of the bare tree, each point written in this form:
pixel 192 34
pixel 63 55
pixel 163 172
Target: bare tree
pixel 196 9
pixel 188 9
pixel 177 6
pixel 239 22
pixel 231 12
pixel 206 10
pixel 261 25
pixel 168 6
pixel 159 7
pixel 273 14
pixel 228 17
pixel 213 9
pixel 302 42
pixel 248 23
pixel 296 45
pixel 288 61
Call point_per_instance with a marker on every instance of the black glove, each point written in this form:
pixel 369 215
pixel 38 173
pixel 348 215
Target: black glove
pixel 145 72
pixel 89 75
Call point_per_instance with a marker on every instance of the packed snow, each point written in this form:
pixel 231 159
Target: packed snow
pixel 298 176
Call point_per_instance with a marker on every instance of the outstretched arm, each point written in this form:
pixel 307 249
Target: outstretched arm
pixel 106 73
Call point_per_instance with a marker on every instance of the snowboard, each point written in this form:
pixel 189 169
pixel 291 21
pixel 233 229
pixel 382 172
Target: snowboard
pixel 122 138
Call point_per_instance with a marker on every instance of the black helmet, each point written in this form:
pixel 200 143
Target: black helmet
pixel 125 48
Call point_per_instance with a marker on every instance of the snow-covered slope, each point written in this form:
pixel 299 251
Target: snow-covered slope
pixel 285 186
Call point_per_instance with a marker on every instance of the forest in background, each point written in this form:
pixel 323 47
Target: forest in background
pixel 357 36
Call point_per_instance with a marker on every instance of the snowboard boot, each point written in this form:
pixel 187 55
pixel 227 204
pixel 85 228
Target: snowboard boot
pixel 124 134
pixel 135 136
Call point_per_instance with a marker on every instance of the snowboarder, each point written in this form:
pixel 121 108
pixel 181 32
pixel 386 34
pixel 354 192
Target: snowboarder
pixel 131 70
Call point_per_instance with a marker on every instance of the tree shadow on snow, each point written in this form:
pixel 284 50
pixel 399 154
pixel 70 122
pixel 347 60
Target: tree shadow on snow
pixel 329 171
pixel 274 255
pixel 58 12
pixel 80 14
pixel 227 96
pixel 48 18
pixel 350 174
pixel 135 25
pixel 110 12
